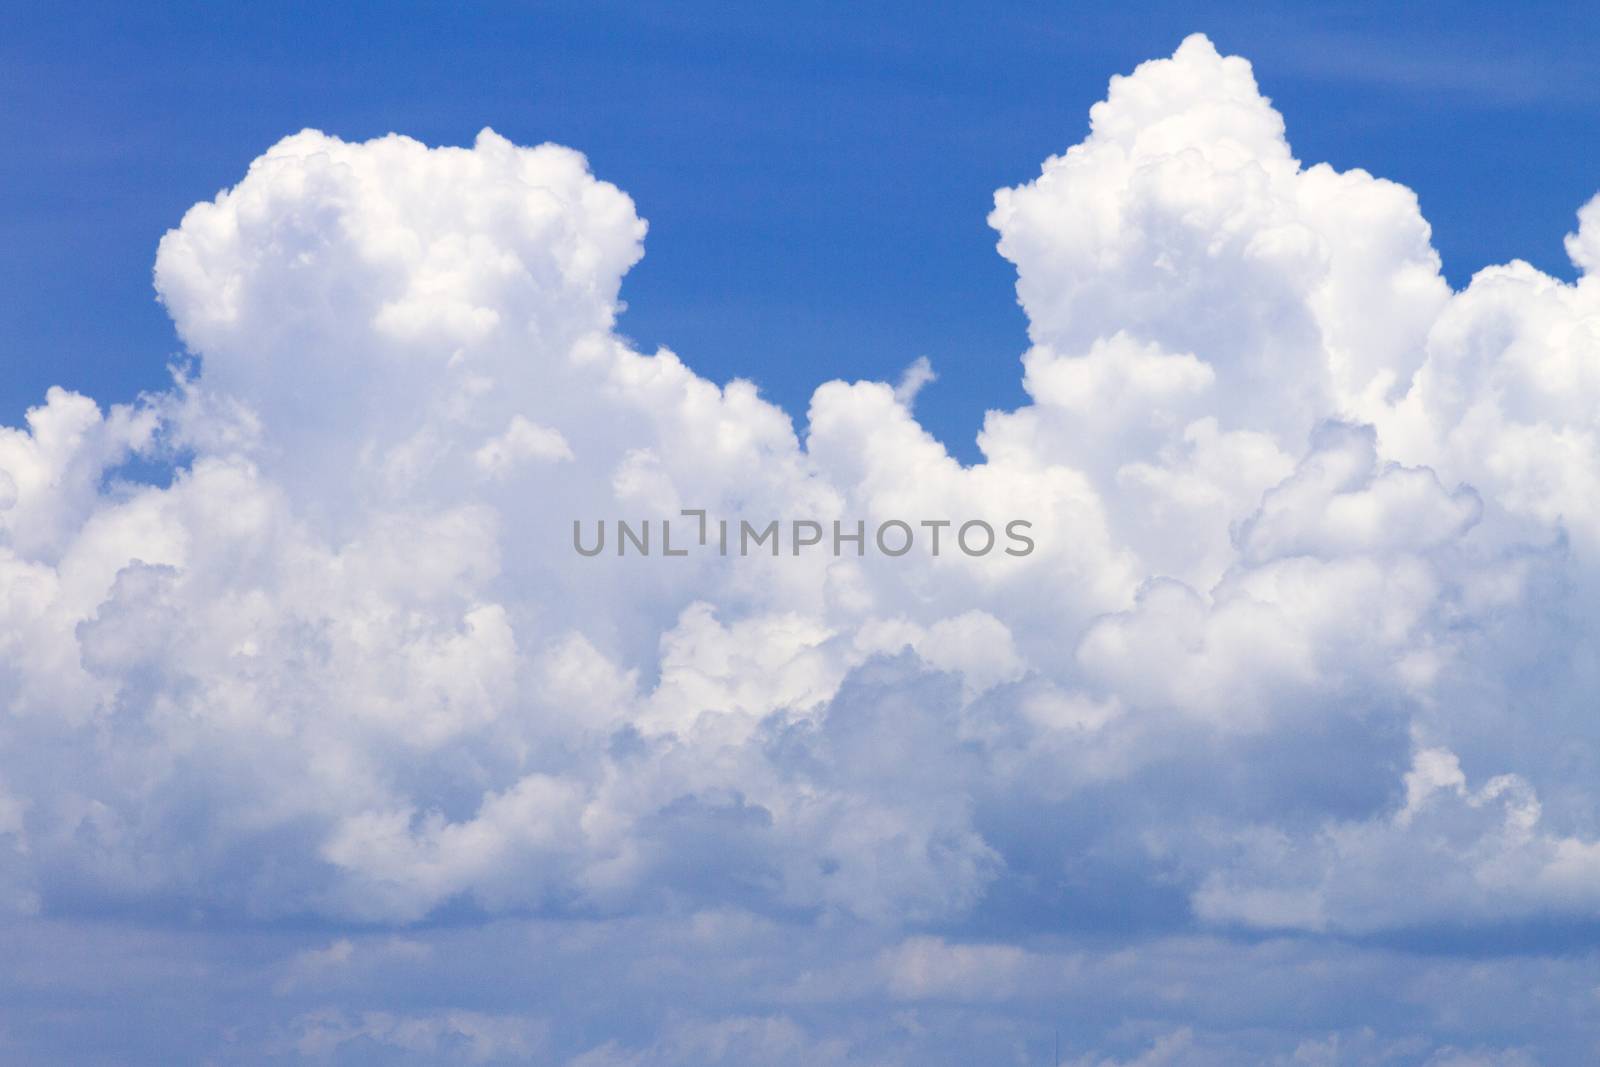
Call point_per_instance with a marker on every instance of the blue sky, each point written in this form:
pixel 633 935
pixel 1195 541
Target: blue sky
pixel 816 180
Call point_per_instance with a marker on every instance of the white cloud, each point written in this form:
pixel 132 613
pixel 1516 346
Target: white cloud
pixel 1314 536
pixel 522 441
pixel 1463 855
pixel 912 380
pixel 466 1037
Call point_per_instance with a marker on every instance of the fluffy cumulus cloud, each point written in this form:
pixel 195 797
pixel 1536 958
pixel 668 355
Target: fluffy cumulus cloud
pixel 1278 747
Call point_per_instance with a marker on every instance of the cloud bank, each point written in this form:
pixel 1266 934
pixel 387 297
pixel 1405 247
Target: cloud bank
pixel 1280 747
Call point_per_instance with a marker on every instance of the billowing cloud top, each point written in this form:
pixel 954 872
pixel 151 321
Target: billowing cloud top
pixel 1305 645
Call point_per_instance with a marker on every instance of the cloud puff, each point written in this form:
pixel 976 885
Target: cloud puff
pixel 1465 855
pixel 1313 540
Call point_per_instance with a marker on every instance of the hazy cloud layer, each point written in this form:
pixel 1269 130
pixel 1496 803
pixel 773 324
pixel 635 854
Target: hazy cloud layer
pixel 1292 702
